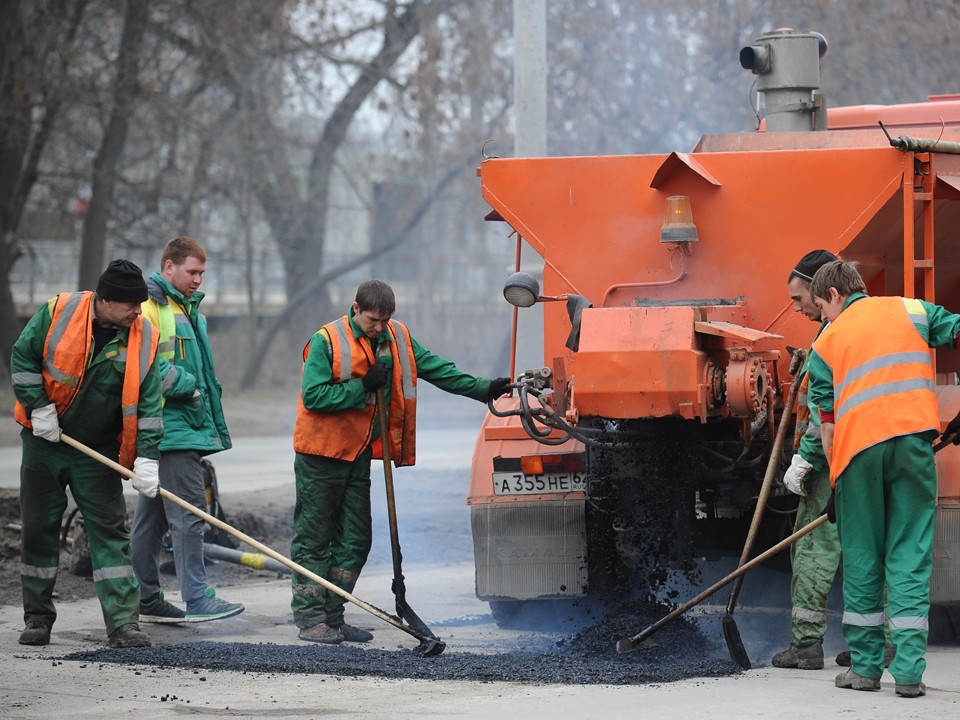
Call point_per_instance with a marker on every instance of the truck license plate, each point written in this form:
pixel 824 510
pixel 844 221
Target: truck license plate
pixel 516 483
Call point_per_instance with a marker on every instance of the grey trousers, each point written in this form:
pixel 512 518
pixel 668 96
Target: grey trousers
pixel 181 473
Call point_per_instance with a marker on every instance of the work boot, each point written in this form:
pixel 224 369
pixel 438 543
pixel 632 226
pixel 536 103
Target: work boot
pixel 843 659
pixel 911 691
pixel 158 610
pixel 354 634
pixel 35 633
pixel 128 636
pixel 209 607
pixel 851 680
pixel 808 657
pixel 322 633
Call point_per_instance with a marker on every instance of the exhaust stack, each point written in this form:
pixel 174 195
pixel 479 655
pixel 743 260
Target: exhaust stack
pixel 787 66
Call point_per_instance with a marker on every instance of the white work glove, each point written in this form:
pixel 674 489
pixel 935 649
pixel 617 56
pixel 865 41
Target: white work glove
pixel 796 475
pixel 146 476
pixel 45 423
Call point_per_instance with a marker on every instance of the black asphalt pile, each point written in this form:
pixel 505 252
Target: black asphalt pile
pixel 588 658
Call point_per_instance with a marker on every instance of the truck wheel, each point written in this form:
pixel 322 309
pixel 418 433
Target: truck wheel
pixel 505 612
pixel 542 615
pixel 942 629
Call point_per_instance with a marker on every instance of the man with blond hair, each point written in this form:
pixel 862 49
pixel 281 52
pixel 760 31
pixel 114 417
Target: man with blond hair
pixel 194 427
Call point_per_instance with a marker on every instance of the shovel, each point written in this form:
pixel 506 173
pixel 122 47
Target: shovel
pixel 731 633
pixel 629 644
pixel 399 589
pixel 429 645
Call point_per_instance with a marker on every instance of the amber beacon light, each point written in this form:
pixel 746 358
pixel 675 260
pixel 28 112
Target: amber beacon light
pixel 678 224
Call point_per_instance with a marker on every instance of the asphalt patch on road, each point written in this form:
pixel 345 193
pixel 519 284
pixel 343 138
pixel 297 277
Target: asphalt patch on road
pixel 679 651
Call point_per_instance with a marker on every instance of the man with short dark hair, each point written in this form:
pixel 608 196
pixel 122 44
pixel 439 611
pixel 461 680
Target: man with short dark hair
pixel 194 427
pixel 816 556
pixel 85 363
pixel 345 363
pixel 872 380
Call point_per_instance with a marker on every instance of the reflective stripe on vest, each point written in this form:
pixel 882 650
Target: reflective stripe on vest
pixel 170 315
pixel 345 434
pixel 140 356
pixel 66 351
pixel 66 354
pixel 882 374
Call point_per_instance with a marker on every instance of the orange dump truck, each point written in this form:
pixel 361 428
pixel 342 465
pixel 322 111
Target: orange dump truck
pixel 667 323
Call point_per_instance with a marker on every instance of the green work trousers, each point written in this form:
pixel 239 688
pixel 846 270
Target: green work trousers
pixel 333 533
pixel 815 558
pixel 46 471
pixel 886 502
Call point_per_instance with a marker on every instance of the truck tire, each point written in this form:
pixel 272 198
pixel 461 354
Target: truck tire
pixel 537 615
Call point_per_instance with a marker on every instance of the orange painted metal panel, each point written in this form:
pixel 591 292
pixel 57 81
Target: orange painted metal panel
pixel 505 437
pixel 596 221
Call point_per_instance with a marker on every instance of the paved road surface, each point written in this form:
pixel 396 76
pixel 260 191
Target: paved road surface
pixel 439 577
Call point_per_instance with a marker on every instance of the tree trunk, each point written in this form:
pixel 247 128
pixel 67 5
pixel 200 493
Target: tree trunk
pixel 300 228
pixel 114 138
pixel 25 88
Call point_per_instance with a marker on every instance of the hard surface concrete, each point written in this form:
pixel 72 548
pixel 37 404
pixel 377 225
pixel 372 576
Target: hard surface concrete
pixel 35 684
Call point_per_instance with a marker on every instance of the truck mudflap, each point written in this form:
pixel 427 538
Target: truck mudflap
pixel 530 550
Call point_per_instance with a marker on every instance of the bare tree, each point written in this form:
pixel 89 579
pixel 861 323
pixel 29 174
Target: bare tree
pixel 126 89
pixel 36 44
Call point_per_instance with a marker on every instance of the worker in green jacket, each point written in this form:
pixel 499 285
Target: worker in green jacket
pixel 194 427
pixel 84 363
pixel 873 382
pixel 337 431
pixel 816 556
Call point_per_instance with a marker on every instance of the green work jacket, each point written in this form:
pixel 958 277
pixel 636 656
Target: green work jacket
pixel 939 331
pixel 94 417
pixel 189 423
pixel 321 394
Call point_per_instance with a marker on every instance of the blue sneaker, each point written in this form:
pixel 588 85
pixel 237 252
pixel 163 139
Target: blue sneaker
pixel 210 607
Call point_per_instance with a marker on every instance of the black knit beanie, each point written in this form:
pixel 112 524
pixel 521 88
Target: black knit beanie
pixel 811 262
pixel 122 281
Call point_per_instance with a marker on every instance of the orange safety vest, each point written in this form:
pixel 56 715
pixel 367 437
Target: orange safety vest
pixel 883 382
pixel 345 434
pixel 66 353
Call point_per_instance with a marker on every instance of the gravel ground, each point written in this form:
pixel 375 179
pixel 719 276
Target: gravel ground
pixel 586 658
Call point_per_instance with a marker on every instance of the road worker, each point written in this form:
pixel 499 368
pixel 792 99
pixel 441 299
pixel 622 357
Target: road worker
pixel 194 427
pixel 816 556
pixel 345 363
pixel 85 364
pixel 872 381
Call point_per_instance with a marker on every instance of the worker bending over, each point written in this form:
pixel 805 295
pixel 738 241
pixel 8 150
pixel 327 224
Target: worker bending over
pixel 85 363
pixel 345 363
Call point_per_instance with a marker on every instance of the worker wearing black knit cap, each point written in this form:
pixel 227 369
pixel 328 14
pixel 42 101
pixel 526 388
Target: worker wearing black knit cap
pixel 815 558
pixel 85 363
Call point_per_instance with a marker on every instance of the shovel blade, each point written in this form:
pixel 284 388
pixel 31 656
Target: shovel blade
pixel 738 653
pixel 413 620
pixel 430 647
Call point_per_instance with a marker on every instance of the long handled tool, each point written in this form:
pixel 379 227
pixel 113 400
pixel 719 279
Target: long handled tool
pixel 429 645
pixel 630 644
pixel 399 589
pixel 731 633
